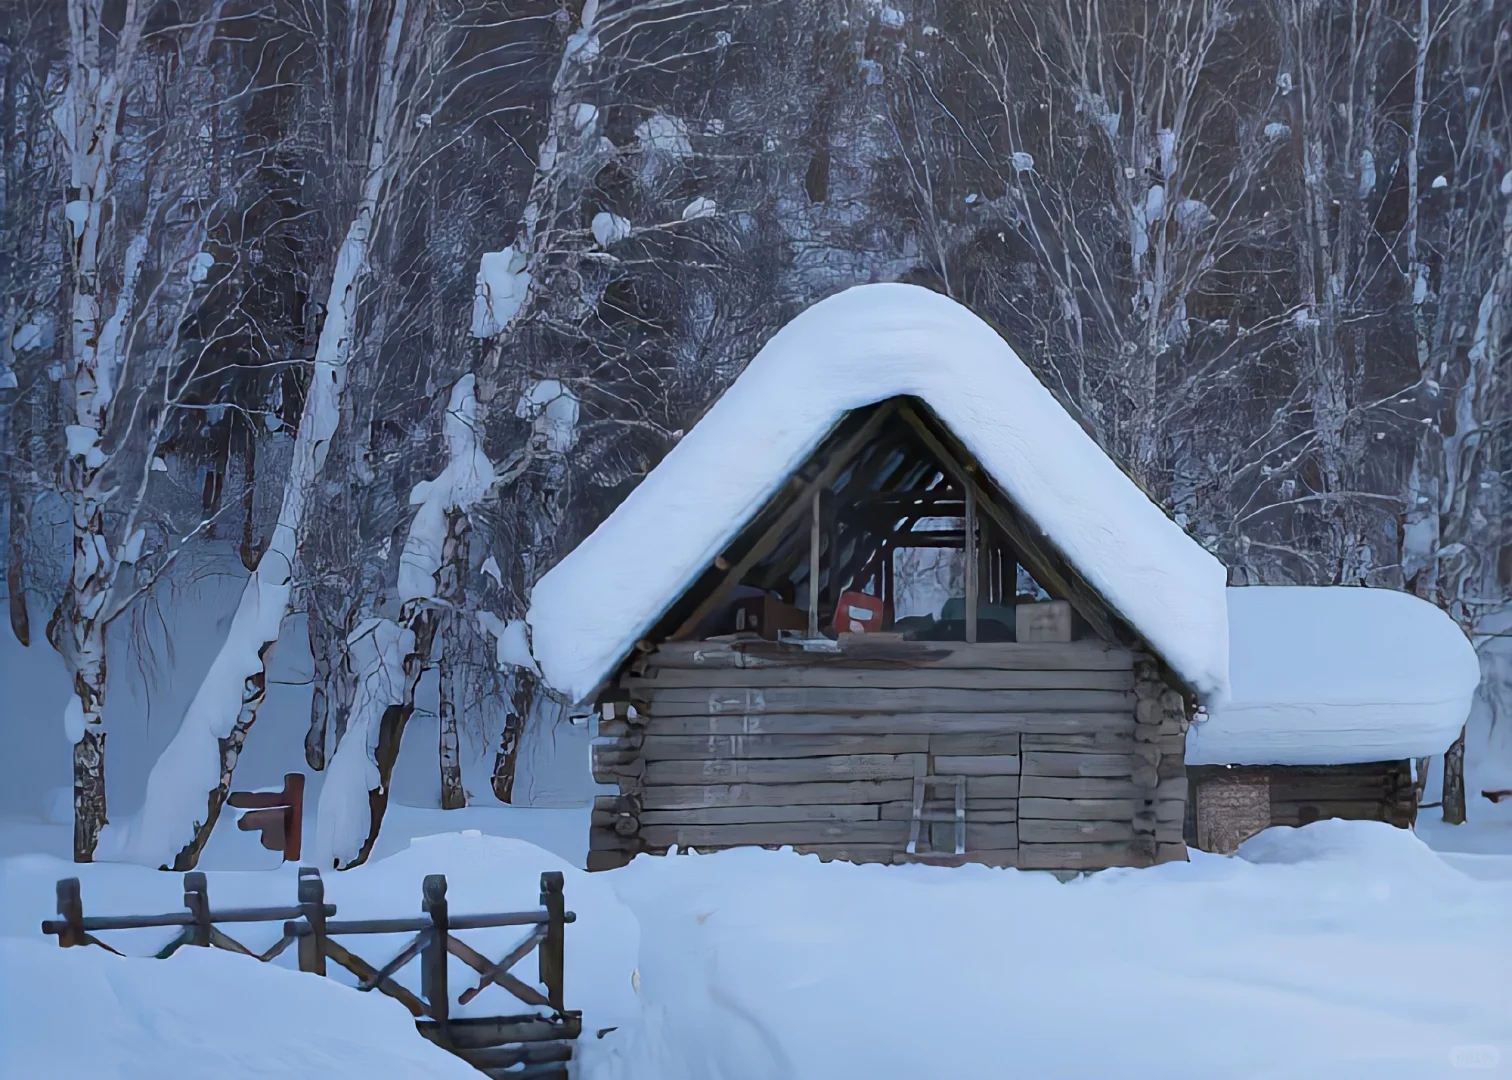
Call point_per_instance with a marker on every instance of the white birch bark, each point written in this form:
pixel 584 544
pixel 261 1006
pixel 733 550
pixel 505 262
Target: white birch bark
pixel 191 778
pixel 88 121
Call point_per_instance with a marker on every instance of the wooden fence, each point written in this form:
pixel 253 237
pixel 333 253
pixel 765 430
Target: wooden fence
pixel 536 1046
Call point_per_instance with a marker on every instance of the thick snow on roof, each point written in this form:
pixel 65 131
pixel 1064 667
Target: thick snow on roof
pixel 854 349
pixel 1330 676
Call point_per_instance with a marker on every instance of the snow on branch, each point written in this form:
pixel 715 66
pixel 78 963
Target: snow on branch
pixel 459 486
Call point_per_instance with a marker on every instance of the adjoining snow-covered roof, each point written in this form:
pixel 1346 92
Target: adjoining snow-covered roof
pixel 854 349
pixel 1332 676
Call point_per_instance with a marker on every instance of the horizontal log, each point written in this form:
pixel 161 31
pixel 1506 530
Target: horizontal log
pixel 1005 859
pixel 991 787
pixel 717 747
pixel 968 745
pixel 785 770
pixel 1290 813
pixel 616 804
pixel 1169 832
pixel 830 677
pixel 607 860
pixel 1079 787
pixel 691 702
pixel 1052 763
pixel 1041 831
pixel 1165 853
pixel 750 815
pixel 855 650
pixel 1171 768
pixel 977 765
pixel 624 824
pixel 1080 809
pixel 1093 856
pixel 856 853
pixel 976 809
pixel 1172 789
pixel 903 723
pixel 609 840
pixel 776 833
pixel 679 797
pixel 1170 810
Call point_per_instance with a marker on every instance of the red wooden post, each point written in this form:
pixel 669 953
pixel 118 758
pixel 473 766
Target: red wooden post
pixel 278 815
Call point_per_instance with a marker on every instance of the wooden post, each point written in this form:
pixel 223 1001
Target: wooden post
pixel 312 956
pixel 71 911
pixel 552 948
pixel 433 958
pixel 816 527
pixel 972 564
pixel 197 900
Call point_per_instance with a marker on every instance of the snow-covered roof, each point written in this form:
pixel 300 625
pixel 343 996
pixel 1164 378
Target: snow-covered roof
pixel 854 349
pixel 1330 676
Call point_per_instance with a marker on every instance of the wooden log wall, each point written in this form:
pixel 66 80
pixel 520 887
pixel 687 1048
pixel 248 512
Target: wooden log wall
pixel 1072 754
pixel 1232 804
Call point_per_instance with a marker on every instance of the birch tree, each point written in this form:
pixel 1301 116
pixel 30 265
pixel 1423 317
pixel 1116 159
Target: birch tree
pixel 189 783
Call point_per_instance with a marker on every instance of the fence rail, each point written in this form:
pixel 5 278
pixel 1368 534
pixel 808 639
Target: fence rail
pixel 527 1046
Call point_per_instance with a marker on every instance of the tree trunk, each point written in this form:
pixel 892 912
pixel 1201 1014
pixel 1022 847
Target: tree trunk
pixel 1454 782
pixel 521 696
pixel 322 645
pixel 89 751
pixel 15 580
pixel 265 599
pixel 453 592
pixel 453 796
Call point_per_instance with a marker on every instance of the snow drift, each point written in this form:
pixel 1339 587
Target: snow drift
pixel 854 349
pixel 1330 676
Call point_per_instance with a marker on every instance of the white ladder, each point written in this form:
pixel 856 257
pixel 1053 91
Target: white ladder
pixel 921 787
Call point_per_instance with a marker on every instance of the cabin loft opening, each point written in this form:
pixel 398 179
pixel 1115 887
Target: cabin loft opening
pixel 891 527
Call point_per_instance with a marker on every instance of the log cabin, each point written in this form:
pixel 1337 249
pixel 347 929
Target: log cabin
pixel 761 672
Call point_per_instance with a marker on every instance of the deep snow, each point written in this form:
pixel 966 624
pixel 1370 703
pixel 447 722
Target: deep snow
pixel 1341 950
pixel 1328 676
pixel 858 347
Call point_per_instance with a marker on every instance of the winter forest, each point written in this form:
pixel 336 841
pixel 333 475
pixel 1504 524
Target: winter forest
pixel 375 309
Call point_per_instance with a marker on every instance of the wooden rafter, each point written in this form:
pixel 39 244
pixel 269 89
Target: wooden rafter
pixel 797 505
pixel 1037 552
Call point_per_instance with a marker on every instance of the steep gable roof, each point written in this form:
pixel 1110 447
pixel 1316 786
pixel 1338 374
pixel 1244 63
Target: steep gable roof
pixel 854 349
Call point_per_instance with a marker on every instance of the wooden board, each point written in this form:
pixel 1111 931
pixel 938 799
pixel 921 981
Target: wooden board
pixel 750 815
pixel 1120 740
pixel 967 745
pixel 976 809
pixel 713 747
pixel 878 678
pixel 857 649
pixel 747 702
pixel 856 853
pixel 1080 809
pixel 978 765
pixel 678 797
pixel 1039 831
pixel 777 832
pixel 1094 856
pixel 784 770
pixel 991 787
pixel 1078 787
pixel 917 723
pixel 1051 763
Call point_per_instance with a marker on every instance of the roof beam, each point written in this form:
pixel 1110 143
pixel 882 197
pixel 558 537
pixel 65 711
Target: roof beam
pixel 1036 552
pixel 798 505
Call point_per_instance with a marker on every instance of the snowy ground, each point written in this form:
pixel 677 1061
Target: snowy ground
pixel 1336 951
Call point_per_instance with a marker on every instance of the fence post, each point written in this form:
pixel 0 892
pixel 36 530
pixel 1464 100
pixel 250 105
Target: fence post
pixel 71 911
pixel 197 900
pixel 433 959
pixel 551 949
pixel 312 956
